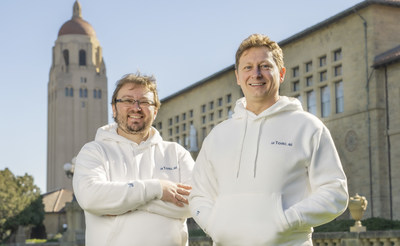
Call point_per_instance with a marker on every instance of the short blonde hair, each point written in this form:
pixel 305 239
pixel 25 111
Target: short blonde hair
pixel 260 40
pixel 138 79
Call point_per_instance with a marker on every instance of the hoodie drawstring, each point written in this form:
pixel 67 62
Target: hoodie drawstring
pixel 241 147
pixel 258 146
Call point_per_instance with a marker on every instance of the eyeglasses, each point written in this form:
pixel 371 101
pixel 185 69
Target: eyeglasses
pixel 132 102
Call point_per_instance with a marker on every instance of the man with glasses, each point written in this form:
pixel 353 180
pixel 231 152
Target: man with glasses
pixel 131 184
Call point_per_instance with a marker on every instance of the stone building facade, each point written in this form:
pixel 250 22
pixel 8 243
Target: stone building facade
pixel 345 70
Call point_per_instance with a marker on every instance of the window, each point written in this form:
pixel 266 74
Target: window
pixel 185 140
pixel 323 76
pixel 83 92
pixel 204 132
pixel 220 113
pixel 337 55
pixel 311 103
pixel 308 66
pixel 95 93
pixel 211 116
pixel 184 127
pixel 170 131
pixel 159 125
pixel 295 72
pixel 322 61
pixel 296 86
pixel 220 101
pixel 203 108
pixel 211 105
pixel 325 101
pixel 82 58
pixel 299 98
pixel 177 129
pixel 170 121
pixel 203 119
pixel 339 97
pixel 309 81
pixel 184 116
pixel 229 98
pixel 98 93
pixel 191 113
pixel 69 92
pixel 338 70
pixel 66 57
pixel 177 119
pixel 229 112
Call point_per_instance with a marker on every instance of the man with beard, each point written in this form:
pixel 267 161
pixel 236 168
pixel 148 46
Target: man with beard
pixel 131 184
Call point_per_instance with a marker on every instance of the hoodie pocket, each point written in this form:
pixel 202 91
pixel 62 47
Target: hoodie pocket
pixel 247 219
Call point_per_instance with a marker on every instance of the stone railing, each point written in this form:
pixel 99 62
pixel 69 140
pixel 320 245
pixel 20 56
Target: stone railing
pixel 368 238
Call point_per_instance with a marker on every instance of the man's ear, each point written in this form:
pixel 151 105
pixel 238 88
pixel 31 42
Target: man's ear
pixel 114 110
pixel 155 114
pixel 237 77
pixel 282 74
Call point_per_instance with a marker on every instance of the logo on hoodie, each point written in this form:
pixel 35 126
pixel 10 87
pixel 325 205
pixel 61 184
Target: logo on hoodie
pixel 283 143
pixel 168 168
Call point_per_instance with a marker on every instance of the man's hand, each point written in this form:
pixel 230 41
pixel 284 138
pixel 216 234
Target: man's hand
pixel 175 193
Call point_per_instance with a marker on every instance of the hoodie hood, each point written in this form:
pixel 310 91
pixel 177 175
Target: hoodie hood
pixel 109 133
pixel 283 104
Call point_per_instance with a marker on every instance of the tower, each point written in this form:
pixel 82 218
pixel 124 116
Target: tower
pixel 77 96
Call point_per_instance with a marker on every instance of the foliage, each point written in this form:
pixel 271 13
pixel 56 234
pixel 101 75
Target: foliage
pixel 33 241
pixel 372 224
pixel 20 203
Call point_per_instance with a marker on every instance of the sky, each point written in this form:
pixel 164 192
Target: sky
pixel 180 42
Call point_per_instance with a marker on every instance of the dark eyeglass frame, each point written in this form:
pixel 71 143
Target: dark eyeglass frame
pixel 131 102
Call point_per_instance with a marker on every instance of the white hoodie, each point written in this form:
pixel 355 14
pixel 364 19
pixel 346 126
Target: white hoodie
pixel 267 179
pixel 116 182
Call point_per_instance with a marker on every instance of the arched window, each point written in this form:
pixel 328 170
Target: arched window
pixel 82 58
pixel 66 57
pixel 69 91
pixel 97 93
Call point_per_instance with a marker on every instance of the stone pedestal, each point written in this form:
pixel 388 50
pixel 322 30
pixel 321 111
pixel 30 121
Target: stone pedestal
pixel 75 234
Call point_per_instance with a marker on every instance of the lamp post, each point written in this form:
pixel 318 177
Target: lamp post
pixel 69 168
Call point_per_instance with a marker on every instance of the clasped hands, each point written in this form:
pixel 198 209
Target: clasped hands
pixel 175 193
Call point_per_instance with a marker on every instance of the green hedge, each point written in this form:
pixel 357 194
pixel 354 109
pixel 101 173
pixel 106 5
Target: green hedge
pixel 372 224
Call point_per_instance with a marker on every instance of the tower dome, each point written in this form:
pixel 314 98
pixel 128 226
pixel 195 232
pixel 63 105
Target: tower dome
pixel 77 25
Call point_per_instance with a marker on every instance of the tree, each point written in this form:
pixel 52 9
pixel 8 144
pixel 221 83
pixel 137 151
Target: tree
pixel 20 203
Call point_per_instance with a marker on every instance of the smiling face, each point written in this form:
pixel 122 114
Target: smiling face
pixel 259 77
pixel 133 120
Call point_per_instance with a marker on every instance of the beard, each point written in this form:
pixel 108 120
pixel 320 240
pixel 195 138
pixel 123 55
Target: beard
pixel 134 128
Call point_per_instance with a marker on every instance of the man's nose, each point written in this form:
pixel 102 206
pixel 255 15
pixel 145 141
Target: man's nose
pixel 257 73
